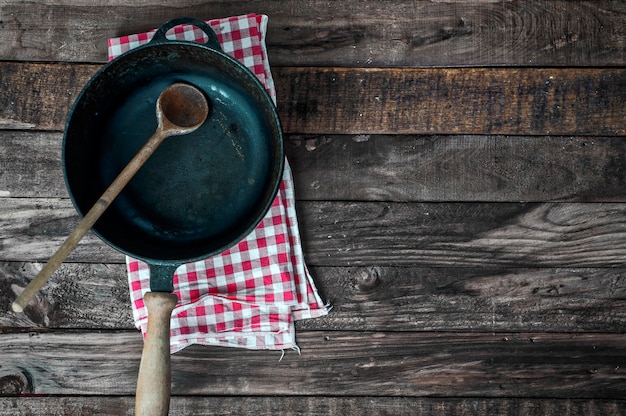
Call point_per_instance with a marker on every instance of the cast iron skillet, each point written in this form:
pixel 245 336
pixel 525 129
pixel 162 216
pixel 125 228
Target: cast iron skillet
pixel 199 194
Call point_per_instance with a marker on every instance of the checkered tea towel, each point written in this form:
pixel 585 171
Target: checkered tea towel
pixel 250 295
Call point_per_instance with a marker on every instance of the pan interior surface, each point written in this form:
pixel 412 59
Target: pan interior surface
pixel 198 193
pixel 202 183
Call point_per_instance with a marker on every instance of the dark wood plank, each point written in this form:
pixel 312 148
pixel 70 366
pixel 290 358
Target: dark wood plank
pixel 458 168
pixel 528 101
pixel 363 298
pixel 371 233
pixel 463 234
pixel 315 406
pixel 390 168
pixel 523 365
pixel 357 33
pixel 38 95
pixel 440 299
pixel 453 101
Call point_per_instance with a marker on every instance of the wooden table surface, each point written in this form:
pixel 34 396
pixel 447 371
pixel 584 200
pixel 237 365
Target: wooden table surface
pixel 460 173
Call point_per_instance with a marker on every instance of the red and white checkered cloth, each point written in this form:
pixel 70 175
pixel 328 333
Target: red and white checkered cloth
pixel 250 295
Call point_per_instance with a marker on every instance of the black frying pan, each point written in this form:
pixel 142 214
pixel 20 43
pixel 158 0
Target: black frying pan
pixel 198 194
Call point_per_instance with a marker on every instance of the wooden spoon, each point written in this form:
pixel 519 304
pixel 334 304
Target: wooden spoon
pixel 181 109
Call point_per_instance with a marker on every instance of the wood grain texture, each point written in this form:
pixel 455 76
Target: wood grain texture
pixel 453 101
pixel 77 296
pixel 458 168
pixel 365 33
pixel 390 168
pixel 363 298
pixel 373 233
pixel 39 95
pixel 315 406
pixel 463 234
pixel 52 219
pixel 30 164
pixel 523 365
pixel 490 300
pixel 528 101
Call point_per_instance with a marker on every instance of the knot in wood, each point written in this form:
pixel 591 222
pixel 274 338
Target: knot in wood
pixel 369 279
pixel 15 384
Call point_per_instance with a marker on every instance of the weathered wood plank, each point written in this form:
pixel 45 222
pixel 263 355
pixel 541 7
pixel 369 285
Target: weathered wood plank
pixel 368 33
pixel 500 307
pixel 36 227
pixel 372 233
pixel 453 101
pixel 458 168
pixel 30 164
pixel 464 234
pixel 363 298
pixel 500 300
pixel 39 96
pixel 77 296
pixel 390 168
pixel 527 101
pixel 523 365
pixel 314 406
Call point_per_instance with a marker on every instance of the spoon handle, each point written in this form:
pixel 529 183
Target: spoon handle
pixel 89 219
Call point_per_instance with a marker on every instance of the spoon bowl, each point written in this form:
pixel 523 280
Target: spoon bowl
pixel 181 109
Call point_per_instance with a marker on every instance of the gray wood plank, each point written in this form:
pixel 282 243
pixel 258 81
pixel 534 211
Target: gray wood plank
pixel 77 296
pixel 38 226
pixel 522 365
pixel 358 33
pixel 464 234
pixel 485 299
pixel 363 298
pixel 30 164
pixel 314 406
pixel 390 168
pixel 457 168
pixel 379 233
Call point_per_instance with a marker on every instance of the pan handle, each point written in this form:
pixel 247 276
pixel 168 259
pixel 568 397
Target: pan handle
pixel 213 42
pixel 155 372
pixel 154 382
